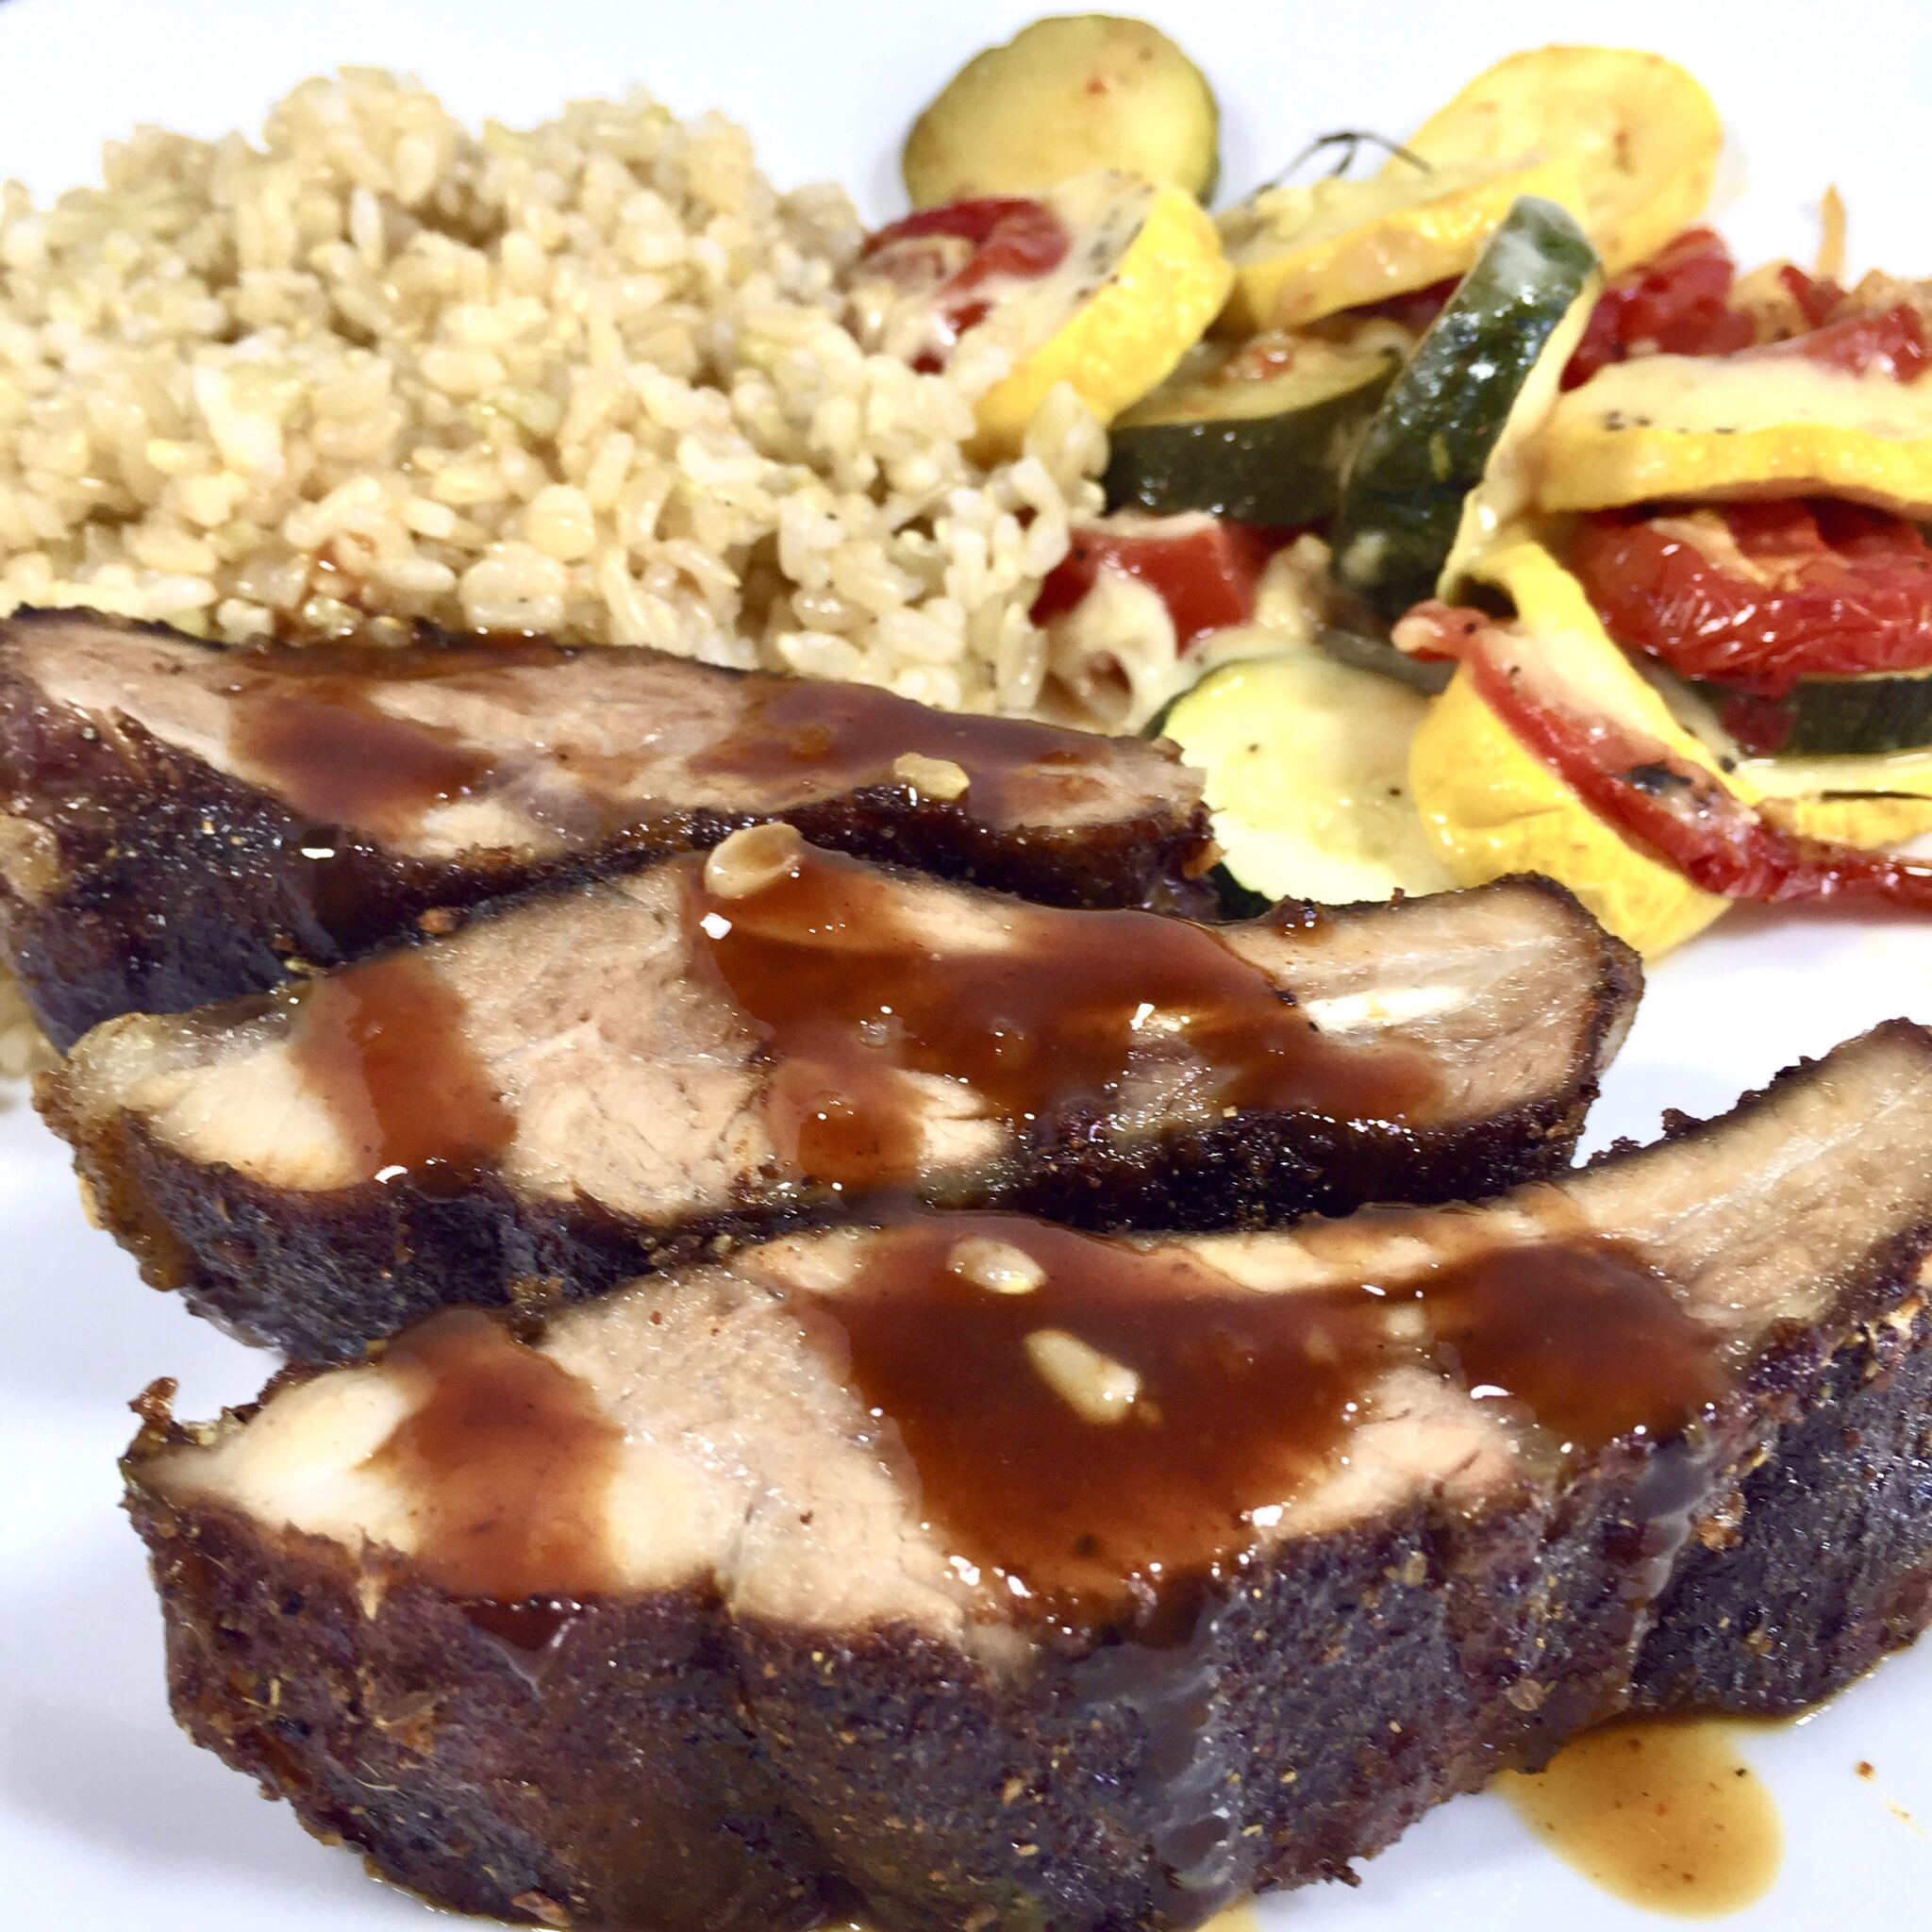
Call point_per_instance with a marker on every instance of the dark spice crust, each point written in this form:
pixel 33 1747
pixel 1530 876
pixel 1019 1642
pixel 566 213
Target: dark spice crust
pixel 321 1275
pixel 1827 1568
pixel 662 1758
pixel 664 1765
pixel 182 885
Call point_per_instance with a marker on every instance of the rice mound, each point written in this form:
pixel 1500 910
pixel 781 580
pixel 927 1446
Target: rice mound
pixel 589 381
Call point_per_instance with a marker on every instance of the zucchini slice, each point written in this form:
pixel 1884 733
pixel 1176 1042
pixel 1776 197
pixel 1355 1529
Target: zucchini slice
pixel 1441 465
pixel 1260 432
pixel 1079 92
pixel 1307 768
pixel 1826 717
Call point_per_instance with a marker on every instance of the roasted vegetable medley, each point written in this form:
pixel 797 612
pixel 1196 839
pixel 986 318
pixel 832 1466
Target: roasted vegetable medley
pixel 1468 511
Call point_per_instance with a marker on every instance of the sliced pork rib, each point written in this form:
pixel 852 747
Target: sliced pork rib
pixel 596 1081
pixel 180 824
pixel 969 1571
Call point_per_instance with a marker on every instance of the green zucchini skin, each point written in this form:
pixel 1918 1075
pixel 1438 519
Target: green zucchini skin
pixel 1279 468
pixel 1233 900
pixel 1378 654
pixel 1432 440
pixel 1853 716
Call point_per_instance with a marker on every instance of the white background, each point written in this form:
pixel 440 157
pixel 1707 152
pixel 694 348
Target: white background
pixel 108 1818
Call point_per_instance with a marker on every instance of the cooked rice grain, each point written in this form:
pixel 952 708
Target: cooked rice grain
pixel 589 379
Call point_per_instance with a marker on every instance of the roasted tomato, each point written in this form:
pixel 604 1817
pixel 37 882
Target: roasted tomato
pixel 957 250
pixel 1204 568
pixel 1676 303
pixel 1680 304
pixel 1756 595
pixel 1891 340
pixel 1682 813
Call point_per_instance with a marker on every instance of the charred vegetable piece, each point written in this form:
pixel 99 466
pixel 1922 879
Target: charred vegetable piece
pixel 1083 91
pixel 1260 432
pixel 1441 465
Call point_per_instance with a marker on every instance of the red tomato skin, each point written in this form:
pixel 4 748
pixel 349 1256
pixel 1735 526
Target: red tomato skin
pixel 1205 577
pixel 1828 589
pixel 1893 341
pixel 1816 296
pixel 1678 811
pixel 1676 303
pixel 1679 304
pixel 1010 235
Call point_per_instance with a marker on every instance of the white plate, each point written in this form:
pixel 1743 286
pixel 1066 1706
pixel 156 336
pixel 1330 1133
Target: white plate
pixel 108 1819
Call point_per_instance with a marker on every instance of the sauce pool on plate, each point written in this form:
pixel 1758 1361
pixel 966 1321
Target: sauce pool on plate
pixel 1660 1812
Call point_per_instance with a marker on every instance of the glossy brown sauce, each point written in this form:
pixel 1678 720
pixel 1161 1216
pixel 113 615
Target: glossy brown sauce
pixel 1663 1813
pixel 1245 1398
pixel 383 1045
pixel 311 724
pixel 852 995
pixel 846 736
pixel 509 1460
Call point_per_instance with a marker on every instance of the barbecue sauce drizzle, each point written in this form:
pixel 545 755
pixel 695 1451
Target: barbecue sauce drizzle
pixel 1663 1813
pixel 1244 1398
pixel 509 1457
pixel 310 721
pixel 1040 1027
pixel 383 1043
pixel 1129 1538
pixel 1124 1539
pixel 847 737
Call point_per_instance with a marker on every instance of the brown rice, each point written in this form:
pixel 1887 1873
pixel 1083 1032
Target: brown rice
pixel 591 379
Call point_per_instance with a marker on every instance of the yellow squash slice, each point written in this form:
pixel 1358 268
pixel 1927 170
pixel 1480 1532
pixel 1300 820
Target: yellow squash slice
pixel 1704 427
pixel 1115 319
pixel 1873 802
pixel 1643 132
pixel 1299 253
pixel 1489 807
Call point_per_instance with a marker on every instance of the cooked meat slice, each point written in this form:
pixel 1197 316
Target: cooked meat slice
pixel 180 824
pixel 595 1081
pixel 969 1571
